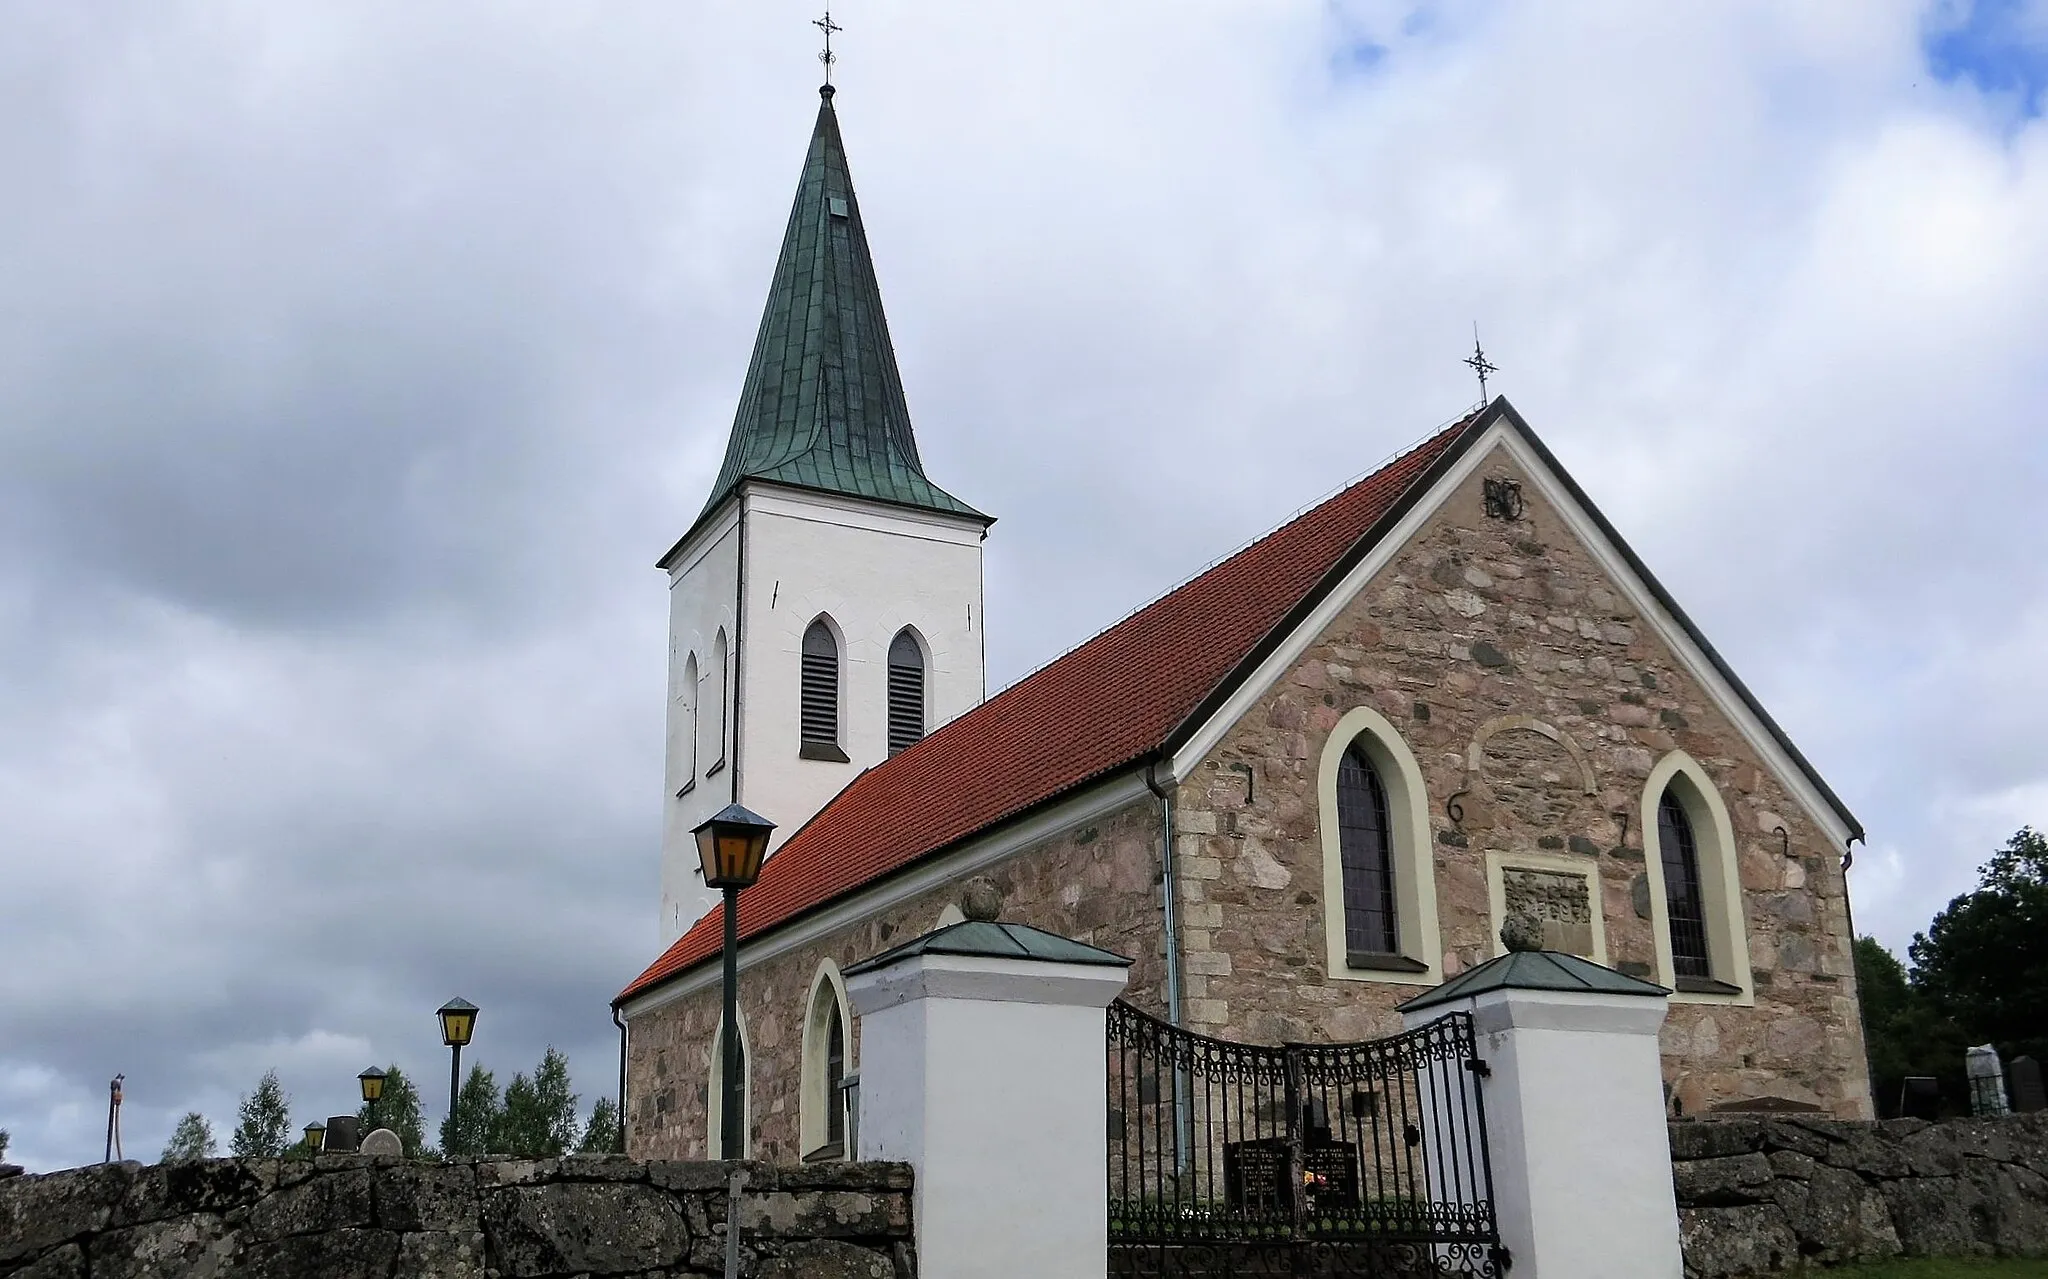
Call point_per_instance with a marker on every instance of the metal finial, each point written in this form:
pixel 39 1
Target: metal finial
pixel 826 25
pixel 1479 364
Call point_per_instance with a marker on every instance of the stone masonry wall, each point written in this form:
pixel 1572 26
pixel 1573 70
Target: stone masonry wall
pixel 1098 883
pixel 369 1217
pixel 1764 1196
pixel 1478 619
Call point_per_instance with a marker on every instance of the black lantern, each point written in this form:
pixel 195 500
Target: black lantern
pixel 458 1023
pixel 372 1081
pixel 731 844
pixel 314 1132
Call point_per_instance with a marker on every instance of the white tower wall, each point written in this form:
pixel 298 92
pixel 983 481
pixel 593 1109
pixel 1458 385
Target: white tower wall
pixel 872 569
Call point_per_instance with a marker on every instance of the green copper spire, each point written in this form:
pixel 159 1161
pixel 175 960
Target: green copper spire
pixel 823 404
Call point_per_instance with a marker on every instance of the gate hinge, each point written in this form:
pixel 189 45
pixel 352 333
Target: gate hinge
pixel 1479 1067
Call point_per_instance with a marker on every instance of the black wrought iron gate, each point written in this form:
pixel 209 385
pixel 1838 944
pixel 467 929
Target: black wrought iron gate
pixel 1366 1159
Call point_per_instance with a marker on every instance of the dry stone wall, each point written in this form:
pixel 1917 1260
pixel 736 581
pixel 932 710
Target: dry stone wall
pixel 376 1217
pixel 1528 688
pixel 1763 1197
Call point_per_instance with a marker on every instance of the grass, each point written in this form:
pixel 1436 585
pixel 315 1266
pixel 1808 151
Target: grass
pixel 2006 1268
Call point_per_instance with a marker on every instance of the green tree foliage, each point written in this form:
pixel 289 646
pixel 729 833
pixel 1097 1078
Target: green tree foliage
pixel 539 1115
pixel 1904 1031
pixel 468 1129
pixel 263 1123
pixel 191 1140
pixel 1984 959
pixel 601 1134
pixel 399 1110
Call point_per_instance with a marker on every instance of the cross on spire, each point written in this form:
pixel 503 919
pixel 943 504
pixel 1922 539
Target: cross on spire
pixel 826 25
pixel 1479 364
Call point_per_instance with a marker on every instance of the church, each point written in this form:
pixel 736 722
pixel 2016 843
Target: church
pixel 1297 790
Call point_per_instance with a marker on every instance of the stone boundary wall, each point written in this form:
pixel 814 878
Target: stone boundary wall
pixel 362 1216
pixel 1764 1196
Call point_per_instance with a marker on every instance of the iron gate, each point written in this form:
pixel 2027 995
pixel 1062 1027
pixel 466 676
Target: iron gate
pixel 1366 1159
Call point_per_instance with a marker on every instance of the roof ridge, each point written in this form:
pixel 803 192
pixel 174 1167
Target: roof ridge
pixel 1327 496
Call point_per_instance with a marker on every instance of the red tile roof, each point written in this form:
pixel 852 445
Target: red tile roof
pixel 1113 700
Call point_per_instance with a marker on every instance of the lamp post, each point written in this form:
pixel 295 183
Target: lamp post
pixel 458 1023
pixel 731 845
pixel 314 1132
pixel 372 1081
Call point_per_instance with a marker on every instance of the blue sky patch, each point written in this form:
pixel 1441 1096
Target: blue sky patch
pixel 2000 46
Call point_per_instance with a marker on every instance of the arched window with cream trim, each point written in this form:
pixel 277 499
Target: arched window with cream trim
pixel 1379 883
pixel 827 1054
pixel 714 1095
pixel 1695 885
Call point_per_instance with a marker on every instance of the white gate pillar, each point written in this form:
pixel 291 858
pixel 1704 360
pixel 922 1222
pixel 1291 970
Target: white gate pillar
pixel 983 1065
pixel 1574 1099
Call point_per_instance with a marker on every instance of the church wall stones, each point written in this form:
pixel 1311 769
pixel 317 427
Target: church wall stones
pixel 1528 689
pixel 1098 883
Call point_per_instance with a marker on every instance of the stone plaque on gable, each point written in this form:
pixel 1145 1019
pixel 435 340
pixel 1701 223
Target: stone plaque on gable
pixel 1559 903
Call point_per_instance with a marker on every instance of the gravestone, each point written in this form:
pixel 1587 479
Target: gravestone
pixel 2028 1093
pixel 1987 1080
pixel 383 1142
pixel 1920 1097
pixel 342 1131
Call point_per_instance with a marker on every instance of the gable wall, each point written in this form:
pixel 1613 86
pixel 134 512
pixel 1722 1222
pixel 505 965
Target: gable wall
pixel 1474 620
pixel 1098 884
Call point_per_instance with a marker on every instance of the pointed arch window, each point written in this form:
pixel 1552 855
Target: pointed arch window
pixel 712 704
pixel 1684 901
pixel 683 730
pixel 906 692
pixel 823 1117
pixel 1365 841
pixel 818 695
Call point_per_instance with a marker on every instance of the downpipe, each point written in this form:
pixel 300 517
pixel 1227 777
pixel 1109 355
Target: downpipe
pixel 1169 880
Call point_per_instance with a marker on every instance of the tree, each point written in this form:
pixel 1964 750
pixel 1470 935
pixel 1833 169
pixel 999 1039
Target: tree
pixel 539 1116
pixel 1904 1031
pixel 601 1134
pixel 191 1140
pixel 1984 960
pixel 263 1123
pixel 3 1143
pixel 468 1129
pixel 399 1110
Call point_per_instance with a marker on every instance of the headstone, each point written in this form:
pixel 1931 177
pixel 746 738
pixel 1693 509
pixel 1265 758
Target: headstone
pixel 383 1142
pixel 2028 1092
pixel 341 1137
pixel 1920 1097
pixel 1987 1080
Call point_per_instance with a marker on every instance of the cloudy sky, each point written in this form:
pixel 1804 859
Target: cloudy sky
pixel 357 359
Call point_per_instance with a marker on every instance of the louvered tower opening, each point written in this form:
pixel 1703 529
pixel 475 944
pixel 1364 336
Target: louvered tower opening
pixel 820 693
pixel 906 692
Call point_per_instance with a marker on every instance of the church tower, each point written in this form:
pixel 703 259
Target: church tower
pixel 825 607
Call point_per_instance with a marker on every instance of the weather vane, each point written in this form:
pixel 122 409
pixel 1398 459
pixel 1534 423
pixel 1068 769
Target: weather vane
pixel 1479 364
pixel 826 25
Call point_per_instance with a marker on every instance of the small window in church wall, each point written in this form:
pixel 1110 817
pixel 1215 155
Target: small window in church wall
pixel 1684 901
pixel 1366 843
pixel 819 694
pixel 684 731
pixel 906 692
pixel 711 705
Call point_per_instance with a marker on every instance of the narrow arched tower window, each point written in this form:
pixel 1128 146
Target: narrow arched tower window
pixel 906 692
pixel 1366 846
pixel 835 1075
pixel 819 703
pixel 1684 905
